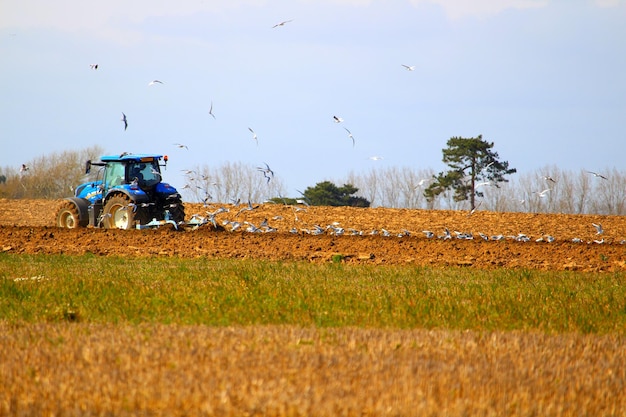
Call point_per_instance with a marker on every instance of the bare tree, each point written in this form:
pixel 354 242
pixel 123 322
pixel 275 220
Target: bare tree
pixel 51 176
pixel 232 182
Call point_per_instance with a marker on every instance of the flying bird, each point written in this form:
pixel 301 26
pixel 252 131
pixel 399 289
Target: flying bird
pixel 409 67
pixel 350 136
pixel 211 110
pixel 421 182
pixel 549 178
pixel 599 229
pixel 543 193
pixel 254 136
pixel 24 168
pixel 180 145
pixel 283 23
pixel 125 121
pixel 595 174
pixel 337 119
pixel 153 82
pixel 375 158
pixel 93 66
pixel 267 172
pixel 155 172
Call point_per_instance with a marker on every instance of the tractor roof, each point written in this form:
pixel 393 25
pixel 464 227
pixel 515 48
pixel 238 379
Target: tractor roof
pixel 140 157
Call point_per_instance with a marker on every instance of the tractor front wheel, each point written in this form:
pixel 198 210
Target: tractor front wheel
pixel 68 216
pixel 118 213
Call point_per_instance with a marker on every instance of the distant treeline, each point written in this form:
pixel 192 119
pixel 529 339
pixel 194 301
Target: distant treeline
pixel 548 190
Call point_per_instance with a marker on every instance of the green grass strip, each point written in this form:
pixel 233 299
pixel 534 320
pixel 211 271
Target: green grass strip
pixel 92 289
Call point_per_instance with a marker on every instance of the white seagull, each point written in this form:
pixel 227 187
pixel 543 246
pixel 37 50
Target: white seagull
pixel 375 158
pixel 543 193
pixel 599 229
pixel 409 67
pixel 93 66
pixel 337 119
pixel 350 136
pixel 421 182
pixel 595 174
pixel 24 168
pixel 153 82
pixel 254 137
pixel 180 145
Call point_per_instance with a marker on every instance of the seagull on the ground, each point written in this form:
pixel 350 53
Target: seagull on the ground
pixel 283 23
pixel 595 174
pixel 153 82
pixel 125 120
pixel 599 229
pixel 249 207
pixel 350 136
pixel 409 67
pixel 211 110
pixel 254 136
pixel 337 119
pixel 180 145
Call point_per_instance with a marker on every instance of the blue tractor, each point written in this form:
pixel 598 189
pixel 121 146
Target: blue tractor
pixel 127 193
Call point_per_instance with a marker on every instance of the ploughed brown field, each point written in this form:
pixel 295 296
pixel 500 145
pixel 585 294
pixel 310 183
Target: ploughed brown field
pixel 28 226
pixel 177 370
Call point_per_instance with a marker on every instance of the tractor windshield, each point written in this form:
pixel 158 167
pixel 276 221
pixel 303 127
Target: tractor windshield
pixel 147 174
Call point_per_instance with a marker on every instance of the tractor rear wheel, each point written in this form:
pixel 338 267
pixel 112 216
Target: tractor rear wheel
pixel 118 213
pixel 68 216
pixel 177 211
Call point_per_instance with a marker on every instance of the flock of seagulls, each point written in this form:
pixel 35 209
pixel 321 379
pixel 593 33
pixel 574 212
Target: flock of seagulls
pixel 336 229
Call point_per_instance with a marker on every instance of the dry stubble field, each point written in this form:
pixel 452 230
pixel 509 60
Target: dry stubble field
pixel 89 369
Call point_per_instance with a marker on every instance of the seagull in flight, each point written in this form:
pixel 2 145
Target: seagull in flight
pixel 375 158
pixel 543 193
pixel 180 145
pixel 267 172
pixel 153 82
pixel 93 66
pixel 24 168
pixel 254 137
pixel 155 172
pixel 211 110
pixel 549 178
pixel 421 182
pixel 125 121
pixel 350 136
pixel 409 67
pixel 595 174
pixel 337 119
pixel 599 229
pixel 283 23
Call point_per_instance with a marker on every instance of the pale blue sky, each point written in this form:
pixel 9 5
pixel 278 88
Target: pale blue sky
pixel 544 80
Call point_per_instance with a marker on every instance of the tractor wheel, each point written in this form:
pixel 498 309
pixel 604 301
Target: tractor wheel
pixel 177 211
pixel 68 216
pixel 118 214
